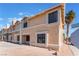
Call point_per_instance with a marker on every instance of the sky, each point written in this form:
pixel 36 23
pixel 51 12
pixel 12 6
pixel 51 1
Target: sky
pixel 10 11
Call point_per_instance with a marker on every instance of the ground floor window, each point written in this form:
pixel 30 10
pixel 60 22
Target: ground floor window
pixel 18 38
pixel 41 38
pixel 27 38
pixel 11 37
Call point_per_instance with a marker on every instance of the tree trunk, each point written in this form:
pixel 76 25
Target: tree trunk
pixel 67 38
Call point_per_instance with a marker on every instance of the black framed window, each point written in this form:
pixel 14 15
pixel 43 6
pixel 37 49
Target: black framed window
pixel 25 25
pixel 41 38
pixel 53 17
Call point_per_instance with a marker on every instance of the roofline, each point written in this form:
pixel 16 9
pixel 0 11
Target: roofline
pixel 54 7
pixel 47 10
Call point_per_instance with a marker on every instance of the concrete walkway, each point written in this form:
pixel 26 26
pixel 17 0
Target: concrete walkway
pixel 10 49
pixel 75 50
pixel 65 51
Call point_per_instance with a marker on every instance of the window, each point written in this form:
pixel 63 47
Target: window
pixel 11 37
pixel 25 24
pixel 41 38
pixel 18 38
pixel 53 17
pixel 27 38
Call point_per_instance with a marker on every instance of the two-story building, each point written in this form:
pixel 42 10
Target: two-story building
pixel 5 34
pixel 44 29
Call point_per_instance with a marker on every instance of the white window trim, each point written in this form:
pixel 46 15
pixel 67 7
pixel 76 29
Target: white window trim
pixel 46 40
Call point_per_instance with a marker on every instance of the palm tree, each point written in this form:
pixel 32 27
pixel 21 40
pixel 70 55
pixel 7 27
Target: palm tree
pixel 68 20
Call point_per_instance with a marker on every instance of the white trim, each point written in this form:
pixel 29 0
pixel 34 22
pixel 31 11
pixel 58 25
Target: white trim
pixel 46 41
pixel 59 29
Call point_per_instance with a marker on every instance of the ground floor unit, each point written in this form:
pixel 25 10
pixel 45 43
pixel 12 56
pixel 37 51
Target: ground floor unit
pixel 48 36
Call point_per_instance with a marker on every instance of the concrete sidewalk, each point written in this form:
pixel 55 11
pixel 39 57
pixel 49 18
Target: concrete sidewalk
pixel 10 49
pixel 65 51
pixel 75 50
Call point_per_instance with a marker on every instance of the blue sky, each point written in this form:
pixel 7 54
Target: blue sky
pixel 11 11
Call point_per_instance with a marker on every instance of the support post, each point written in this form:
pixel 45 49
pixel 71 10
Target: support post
pixel 20 34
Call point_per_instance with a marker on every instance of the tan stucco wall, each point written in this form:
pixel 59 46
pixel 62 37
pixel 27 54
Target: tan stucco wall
pixel 52 31
pixel 37 21
pixel 40 24
pixel 15 36
pixel 41 19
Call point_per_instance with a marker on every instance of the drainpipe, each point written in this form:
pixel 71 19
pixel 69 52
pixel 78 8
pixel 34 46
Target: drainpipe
pixel 20 34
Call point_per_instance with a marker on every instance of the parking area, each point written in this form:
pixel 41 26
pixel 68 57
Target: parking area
pixel 11 49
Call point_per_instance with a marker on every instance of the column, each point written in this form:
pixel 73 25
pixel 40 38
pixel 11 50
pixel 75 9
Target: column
pixel 20 34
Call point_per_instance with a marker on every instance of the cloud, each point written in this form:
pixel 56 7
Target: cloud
pixel 10 20
pixel 15 18
pixel 21 13
pixel 28 14
pixel 1 19
pixel 18 19
pixel 8 25
pixel 39 9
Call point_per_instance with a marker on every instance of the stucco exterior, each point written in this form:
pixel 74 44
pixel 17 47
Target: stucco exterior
pixel 39 24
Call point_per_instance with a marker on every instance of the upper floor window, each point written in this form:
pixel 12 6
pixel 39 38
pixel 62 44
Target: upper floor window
pixel 25 24
pixel 53 17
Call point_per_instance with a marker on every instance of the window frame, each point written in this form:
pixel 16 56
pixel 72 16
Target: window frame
pixel 41 37
pixel 18 38
pixel 46 37
pixel 57 16
pixel 25 26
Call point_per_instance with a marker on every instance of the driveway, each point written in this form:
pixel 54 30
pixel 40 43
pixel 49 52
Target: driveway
pixel 11 49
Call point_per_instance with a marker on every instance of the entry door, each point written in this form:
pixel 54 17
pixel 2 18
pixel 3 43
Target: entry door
pixel 18 38
pixel 28 39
